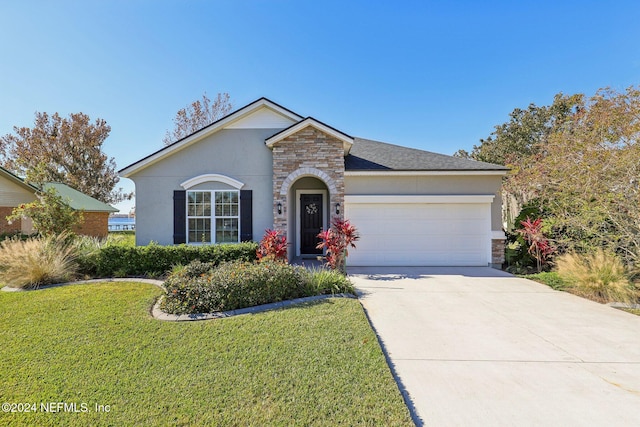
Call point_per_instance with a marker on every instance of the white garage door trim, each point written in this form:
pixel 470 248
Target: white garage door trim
pixel 481 198
pixel 472 250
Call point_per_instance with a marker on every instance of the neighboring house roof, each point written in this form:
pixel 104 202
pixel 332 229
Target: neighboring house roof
pixel 368 155
pixel 74 198
pixel 79 201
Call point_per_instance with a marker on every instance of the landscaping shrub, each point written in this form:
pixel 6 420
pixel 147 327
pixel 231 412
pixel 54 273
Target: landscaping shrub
pixel 231 286
pixel 336 242
pixel 116 260
pixel 599 276
pixel 204 288
pixel 37 261
pixel 273 246
pixel 539 246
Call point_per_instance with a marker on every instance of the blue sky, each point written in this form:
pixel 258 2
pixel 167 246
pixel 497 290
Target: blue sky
pixel 432 75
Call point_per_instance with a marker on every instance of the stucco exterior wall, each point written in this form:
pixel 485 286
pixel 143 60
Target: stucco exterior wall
pixel 238 153
pixel 430 185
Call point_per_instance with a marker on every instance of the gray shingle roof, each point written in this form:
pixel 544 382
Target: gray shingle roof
pixel 368 155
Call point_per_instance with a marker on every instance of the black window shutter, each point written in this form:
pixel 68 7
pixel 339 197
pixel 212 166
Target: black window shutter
pixel 179 217
pixel 246 215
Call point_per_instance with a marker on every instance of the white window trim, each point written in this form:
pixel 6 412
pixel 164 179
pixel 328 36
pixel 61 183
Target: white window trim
pixel 212 177
pixel 212 217
pixel 325 213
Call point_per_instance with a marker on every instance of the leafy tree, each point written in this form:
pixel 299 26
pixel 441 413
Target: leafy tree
pixel 518 142
pixel 526 131
pixel 50 214
pixel 68 150
pixel 199 114
pixel 586 177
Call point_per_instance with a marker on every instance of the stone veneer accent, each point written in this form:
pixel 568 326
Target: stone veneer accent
pixel 497 252
pixel 308 152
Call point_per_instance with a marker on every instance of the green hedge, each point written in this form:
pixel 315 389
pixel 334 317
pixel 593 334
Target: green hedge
pixel 155 260
pixel 205 288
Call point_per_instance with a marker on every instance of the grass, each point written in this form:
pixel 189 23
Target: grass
pixel 632 311
pixel 122 238
pixel 550 278
pixel 318 364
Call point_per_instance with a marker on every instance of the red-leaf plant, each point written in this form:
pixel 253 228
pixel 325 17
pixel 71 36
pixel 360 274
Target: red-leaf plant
pixel 539 246
pixel 273 246
pixel 336 240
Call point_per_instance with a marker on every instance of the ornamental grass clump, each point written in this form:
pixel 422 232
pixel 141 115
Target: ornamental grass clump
pixel 323 281
pixel 599 276
pixel 37 261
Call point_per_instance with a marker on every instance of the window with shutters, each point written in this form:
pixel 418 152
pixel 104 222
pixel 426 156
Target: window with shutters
pixel 213 216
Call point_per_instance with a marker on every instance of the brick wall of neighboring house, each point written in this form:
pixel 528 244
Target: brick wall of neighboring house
pixel 5 227
pixel 308 152
pixel 94 224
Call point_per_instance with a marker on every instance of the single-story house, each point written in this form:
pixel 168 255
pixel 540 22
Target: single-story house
pixel 264 166
pixel 14 191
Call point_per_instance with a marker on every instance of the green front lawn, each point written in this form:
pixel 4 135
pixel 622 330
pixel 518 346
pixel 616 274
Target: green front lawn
pixel 96 344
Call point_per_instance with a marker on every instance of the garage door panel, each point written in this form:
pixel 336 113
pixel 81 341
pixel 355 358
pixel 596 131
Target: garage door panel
pixel 420 234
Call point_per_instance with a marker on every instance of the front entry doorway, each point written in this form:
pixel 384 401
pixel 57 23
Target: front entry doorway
pixel 311 222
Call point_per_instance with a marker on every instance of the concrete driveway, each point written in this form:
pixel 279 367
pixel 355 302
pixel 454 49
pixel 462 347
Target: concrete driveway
pixel 479 347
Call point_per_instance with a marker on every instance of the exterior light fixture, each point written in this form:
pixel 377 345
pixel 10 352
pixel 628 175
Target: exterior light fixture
pixel 337 208
pixel 279 208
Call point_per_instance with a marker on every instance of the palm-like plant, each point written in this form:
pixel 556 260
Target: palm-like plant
pixel 540 247
pixel 337 240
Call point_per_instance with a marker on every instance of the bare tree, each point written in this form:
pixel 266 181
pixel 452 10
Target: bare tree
pixel 198 115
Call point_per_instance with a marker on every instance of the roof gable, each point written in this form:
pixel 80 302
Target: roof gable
pixel 263 118
pixel 368 155
pixel 347 141
pixel 261 112
pixel 16 180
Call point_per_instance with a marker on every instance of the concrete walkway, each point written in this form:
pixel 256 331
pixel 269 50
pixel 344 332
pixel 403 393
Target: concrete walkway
pixel 479 347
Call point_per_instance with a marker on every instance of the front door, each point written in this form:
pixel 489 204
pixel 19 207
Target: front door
pixel 310 223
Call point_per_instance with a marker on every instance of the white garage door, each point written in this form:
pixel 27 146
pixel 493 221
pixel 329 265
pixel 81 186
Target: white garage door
pixel 420 230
